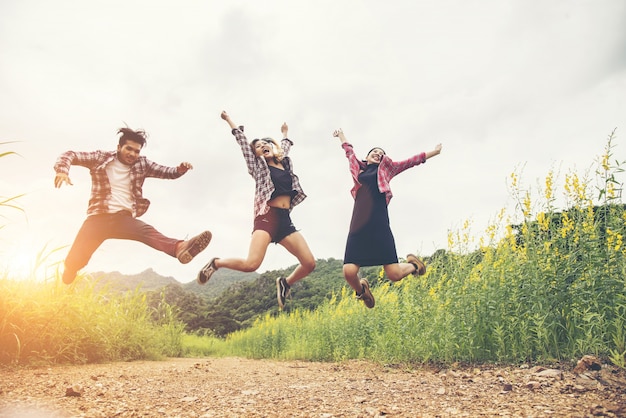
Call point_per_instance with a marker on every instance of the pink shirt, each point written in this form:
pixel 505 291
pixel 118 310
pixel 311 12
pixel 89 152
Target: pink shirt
pixel 387 169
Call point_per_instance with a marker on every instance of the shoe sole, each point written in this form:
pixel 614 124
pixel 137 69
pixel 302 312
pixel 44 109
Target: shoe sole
pixel 203 241
pixel 206 272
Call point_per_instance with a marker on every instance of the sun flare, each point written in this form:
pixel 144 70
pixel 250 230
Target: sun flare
pixel 20 261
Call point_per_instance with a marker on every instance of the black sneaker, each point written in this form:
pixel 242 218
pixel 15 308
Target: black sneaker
pixel 191 248
pixel 366 296
pixel 207 271
pixel 282 291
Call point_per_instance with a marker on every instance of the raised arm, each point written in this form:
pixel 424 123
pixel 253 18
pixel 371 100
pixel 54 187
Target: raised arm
pixel 248 154
pixel 228 120
pixel 339 134
pixel 284 129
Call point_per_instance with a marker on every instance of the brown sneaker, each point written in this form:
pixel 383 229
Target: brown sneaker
pixel 420 267
pixel 192 247
pixel 366 296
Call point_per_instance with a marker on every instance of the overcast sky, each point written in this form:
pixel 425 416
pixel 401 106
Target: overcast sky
pixel 503 85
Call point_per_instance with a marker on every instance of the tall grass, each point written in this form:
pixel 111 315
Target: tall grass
pixel 52 322
pixel 540 284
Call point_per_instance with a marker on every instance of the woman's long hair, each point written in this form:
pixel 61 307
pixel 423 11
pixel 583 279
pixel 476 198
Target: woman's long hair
pixel 278 151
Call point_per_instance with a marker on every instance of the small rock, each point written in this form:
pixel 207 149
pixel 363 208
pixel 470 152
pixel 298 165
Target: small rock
pixel 554 373
pixel 587 363
pixel 533 385
pixel 74 390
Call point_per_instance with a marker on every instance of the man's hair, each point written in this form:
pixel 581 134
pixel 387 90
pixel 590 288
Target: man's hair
pixel 128 134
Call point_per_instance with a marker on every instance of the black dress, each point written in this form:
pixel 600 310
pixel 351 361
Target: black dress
pixel 370 241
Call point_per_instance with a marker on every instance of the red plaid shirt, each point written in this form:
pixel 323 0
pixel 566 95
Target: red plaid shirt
pixel 97 162
pixel 387 169
pixel 260 172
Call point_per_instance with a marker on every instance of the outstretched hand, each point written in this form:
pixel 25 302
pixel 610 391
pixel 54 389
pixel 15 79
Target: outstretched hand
pixel 338 133
pixel 61 178
pixel 224 115
pixel 284 129
pixel 184 167
pixel 434 152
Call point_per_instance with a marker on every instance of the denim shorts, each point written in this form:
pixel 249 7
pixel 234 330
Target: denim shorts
pixel 275 222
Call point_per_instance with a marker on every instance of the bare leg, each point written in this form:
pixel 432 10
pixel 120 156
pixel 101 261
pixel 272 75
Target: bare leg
pixel 398 271
pixel 296 245
pixel 351 274
pixel 256 253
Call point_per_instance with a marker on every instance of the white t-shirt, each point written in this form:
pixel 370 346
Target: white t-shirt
pixel 119 179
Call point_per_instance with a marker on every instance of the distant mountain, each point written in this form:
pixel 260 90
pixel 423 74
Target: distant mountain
pixel 220 281
pixel 150 280
pixel 146 280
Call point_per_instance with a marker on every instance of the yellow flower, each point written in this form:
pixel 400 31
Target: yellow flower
pixel 568 224
pixel 610 190
pixel 450 240
pixel 549 184
pixel 543 221
pixel 510 236
pixel 605 162
pixel 513 180
pixel 613 240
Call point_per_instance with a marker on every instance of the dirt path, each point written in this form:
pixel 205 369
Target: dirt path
pixel 234 387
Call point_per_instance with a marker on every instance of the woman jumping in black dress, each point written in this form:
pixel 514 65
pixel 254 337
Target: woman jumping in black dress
pixel 370 240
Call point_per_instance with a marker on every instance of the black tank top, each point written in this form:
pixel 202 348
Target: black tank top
pixel 283 184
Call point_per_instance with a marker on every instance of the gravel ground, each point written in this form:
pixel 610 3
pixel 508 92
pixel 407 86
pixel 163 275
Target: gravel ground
pixel 237 387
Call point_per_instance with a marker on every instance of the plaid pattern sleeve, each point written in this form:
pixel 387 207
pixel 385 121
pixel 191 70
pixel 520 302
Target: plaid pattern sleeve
pixel 246 150
pixel 89 160
pixel 260 172
pixel 355 167
pixel 97 161
pixel 388 169
pixel 295 181
pixel 139 171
